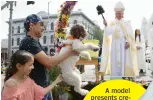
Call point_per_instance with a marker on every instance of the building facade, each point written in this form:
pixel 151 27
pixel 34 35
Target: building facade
pixel 4 50
pixel 47 40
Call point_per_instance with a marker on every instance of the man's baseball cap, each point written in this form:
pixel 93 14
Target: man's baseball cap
pixel 33 18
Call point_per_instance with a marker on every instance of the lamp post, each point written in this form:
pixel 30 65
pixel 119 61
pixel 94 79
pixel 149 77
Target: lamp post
pixel 10 31
pixel 10 3
pixel 48 42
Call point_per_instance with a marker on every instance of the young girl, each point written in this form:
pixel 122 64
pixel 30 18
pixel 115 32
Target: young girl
pixel 140 45
pixel 18 85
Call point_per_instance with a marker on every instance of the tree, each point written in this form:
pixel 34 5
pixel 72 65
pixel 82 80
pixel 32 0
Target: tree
pixel 98 34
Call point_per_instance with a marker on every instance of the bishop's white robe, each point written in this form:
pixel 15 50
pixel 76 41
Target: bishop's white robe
pixel 141 53
pixel 116 60
pixel 150 44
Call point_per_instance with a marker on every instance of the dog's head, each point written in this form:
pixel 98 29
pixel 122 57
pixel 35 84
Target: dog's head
pixel 78 32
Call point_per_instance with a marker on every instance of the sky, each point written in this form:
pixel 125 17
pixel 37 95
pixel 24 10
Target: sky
pixel 135 10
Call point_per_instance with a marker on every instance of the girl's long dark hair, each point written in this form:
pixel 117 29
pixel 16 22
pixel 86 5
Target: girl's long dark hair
pixel 136 35
pixel 20 57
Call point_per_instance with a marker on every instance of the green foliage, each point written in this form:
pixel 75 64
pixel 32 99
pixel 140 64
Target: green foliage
pixel 62 87
pixel 53 73
pixel 98 34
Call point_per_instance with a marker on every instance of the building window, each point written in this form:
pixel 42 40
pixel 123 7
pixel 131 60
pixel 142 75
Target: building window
pixel 45 27
pixel 52 26
pixel 12 30
pixel 12 41
pixel 85 25
pixel 44 40
pixel 25 31
pixel 12 52
pixel 88 28
pixel 18 41
pixel 75 22
pixel 18 29
pixel 51 39
pixel 5 55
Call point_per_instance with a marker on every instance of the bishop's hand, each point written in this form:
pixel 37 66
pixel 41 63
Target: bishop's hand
pixel 127 45
pixel 105 22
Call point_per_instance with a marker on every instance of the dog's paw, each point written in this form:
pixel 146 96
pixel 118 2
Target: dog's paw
pixel 95 48
pixel 84 84
pixel 83 92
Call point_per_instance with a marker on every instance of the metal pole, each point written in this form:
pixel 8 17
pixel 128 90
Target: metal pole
pixel 10 32
pixel 48 42
pixel 5 5
pixel 48 29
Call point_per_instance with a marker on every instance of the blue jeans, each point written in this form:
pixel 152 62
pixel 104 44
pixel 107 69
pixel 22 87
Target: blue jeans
pixel 48 96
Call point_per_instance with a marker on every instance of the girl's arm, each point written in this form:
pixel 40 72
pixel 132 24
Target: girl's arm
pixel 40 92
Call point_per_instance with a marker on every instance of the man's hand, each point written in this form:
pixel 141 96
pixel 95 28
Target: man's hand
pixel 127 45
pixel 105 22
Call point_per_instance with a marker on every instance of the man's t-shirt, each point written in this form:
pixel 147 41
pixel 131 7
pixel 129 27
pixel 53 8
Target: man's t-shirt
pixel 39 73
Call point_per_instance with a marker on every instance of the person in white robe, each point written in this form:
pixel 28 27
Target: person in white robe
pixel 119 49
pixel 150 44
pixel 148 95
pixel 140 45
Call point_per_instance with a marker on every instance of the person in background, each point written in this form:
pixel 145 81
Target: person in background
pixel 140 45
pixel 150 44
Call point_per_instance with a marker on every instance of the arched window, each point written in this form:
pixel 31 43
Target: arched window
pixel 52 26
pixel 18 41
pixel 18 29
pixel 75 22
pixel 12 30
pixel 12 52
pixel 52 39
pixel 12 41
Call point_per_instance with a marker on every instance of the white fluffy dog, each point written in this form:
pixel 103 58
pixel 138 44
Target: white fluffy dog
pixel 70 74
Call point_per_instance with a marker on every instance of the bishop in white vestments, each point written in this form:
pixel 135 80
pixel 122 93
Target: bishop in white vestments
pixel 119 48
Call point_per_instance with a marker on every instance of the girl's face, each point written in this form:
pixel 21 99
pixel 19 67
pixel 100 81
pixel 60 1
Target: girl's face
pixel 27 67
pixel 137 32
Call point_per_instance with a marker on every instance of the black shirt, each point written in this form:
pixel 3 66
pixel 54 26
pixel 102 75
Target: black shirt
pixel 39 73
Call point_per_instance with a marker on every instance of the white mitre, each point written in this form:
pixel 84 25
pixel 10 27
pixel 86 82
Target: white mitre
pixel 119 7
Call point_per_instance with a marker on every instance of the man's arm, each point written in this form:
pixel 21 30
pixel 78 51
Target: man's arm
pixel 50 62
pixel 34 47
